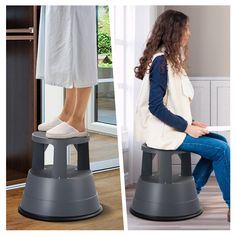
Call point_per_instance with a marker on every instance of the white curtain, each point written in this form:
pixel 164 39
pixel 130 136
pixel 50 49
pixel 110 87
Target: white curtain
pixel 130 27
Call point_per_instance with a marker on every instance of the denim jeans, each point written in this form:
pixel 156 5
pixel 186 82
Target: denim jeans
pixel 215 155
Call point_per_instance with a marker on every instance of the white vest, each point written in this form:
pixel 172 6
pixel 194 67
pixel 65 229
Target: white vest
pixel 147 127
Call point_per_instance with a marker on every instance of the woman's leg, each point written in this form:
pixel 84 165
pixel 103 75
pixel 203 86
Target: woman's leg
pixel 217 136
pixel 204 167
pixel 69 104
pixel 218 152
pixel 77 116
pixel 65 114
pixel 202 172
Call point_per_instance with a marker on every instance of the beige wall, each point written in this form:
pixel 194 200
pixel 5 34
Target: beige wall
pixel 209 46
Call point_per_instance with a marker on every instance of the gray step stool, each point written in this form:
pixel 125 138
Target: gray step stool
pixel 162 196
pixel 59 192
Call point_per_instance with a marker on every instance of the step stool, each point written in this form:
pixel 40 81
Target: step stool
pixel 59 192
pixel 162 196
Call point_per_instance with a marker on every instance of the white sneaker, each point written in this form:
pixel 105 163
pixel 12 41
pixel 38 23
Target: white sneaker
pixel 64 130
pixel 50 124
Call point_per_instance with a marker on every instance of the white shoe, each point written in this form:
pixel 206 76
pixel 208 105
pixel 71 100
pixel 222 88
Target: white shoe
pixel 50 124
pixel 64 130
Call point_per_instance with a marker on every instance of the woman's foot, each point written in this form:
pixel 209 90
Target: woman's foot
pixel 63 131
pixel 228 215
pixel 74 127
pixel 77 123
pixel 63 117
pixel 50 124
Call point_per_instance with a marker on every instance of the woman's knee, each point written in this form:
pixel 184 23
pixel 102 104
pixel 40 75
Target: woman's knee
pixel 223 139
pixel 218 136
pixel 225 148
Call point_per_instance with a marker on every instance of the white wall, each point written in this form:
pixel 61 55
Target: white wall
pixel 209 46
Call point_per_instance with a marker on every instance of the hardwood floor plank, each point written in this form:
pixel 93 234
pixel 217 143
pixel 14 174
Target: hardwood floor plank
pixel 98 150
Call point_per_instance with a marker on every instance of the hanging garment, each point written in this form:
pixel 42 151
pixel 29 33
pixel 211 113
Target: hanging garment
pixel 148 128
pixel 67 46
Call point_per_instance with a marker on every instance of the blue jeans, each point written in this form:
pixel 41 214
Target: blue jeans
pixel 215 155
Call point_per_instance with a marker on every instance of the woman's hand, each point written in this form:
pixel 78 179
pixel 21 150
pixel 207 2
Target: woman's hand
pixel 196 131
pixel 200 124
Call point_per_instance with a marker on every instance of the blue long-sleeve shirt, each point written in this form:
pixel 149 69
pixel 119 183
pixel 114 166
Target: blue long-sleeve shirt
pixel 158 85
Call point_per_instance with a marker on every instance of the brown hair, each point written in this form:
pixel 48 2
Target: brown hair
pixel 167 32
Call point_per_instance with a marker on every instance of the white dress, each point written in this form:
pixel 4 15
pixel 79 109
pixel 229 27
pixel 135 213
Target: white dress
pixel 67 46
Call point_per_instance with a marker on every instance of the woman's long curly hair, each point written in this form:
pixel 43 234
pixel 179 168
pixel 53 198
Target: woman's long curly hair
pixel 167 32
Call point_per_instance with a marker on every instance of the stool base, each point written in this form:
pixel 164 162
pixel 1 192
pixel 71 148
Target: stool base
pixel 60 199
pixel 159 218
pixel 166 202
pixel 58 219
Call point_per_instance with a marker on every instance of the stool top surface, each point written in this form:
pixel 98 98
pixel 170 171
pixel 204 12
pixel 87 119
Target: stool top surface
pixel 40 137
pixel 154 150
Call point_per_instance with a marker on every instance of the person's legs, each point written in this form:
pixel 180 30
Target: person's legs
pixel 202 172
pixel 218 152
pixel 217 136
pixel 65 114
pixel 204 167
pixel 69 104
pixel 76 119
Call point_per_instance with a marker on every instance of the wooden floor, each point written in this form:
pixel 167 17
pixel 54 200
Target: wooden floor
pixel 213 217
pixel 109 191
pixel 98 150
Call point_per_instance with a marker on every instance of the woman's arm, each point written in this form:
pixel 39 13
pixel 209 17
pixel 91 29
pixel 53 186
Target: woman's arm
pixel 158 85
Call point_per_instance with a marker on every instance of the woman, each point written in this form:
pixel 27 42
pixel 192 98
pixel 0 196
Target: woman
pixel 163 116
pixel 67 57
